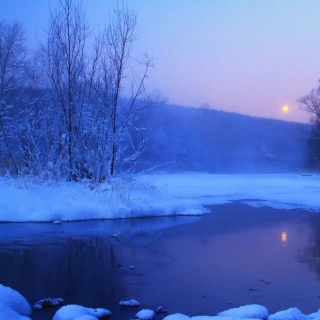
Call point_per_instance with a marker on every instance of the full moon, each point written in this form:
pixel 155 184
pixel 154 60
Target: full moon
pixel 285 108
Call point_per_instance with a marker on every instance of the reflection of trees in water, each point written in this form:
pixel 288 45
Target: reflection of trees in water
pixel 80 271
pixel 311 254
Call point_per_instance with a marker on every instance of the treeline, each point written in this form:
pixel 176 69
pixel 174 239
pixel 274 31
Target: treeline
pixel 61 111
pixel 220 142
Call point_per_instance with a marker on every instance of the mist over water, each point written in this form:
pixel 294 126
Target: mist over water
pixel 203 139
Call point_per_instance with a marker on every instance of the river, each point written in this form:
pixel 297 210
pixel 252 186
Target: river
pixel 233 256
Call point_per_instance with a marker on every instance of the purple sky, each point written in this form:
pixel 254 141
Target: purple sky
pixel 245 56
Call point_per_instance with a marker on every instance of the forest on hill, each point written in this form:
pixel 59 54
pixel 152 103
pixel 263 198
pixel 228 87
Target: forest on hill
pixel 201 139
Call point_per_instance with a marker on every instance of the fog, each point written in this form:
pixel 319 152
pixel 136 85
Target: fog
pixel 202 139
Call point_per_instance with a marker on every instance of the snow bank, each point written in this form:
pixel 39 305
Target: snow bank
pixel 315 315
pixel 250 311
pixel 73 311
pixel 286 191
pixel 13 306
pixel 153 195
pixel 77 201
pixel 145 314
pixel 289 314
pixel 85 318
pixel 6 313
pixel 221 318
pixel 15 301
pixel 176 316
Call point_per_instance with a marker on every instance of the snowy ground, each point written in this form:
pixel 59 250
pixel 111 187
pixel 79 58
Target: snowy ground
pixel 286 191
pixel 153 195
pixel 13 306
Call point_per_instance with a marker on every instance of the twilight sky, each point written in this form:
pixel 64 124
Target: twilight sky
pixel 246 56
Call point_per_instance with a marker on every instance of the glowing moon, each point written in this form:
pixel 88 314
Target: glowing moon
pixel 285 108
pixel 284 236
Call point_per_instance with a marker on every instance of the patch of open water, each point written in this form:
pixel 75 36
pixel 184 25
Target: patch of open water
pixel 234 256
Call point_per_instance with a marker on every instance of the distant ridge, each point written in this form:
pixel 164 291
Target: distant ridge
pixel 205 139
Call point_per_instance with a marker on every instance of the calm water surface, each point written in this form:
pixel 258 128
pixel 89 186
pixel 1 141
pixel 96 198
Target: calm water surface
pixel 233 256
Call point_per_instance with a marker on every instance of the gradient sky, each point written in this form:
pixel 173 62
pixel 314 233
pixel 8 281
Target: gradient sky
pixel 245 56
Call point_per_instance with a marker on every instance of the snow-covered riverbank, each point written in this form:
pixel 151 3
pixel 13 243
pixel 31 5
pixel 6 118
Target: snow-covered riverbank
pixel 153 195
pixel 14 306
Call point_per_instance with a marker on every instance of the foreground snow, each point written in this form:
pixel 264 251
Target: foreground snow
pixel 153 195
pixel 251 312
pixel 13 306
pixel 74 312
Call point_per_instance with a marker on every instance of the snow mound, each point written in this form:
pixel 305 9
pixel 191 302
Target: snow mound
pixel 73 311
pixel 145 314
pixel 233 318
pixel 221 318
pixel 6 313
pixel 129 303
pixel 86 318
pixel 314 316
pixel 14 300
pixel 176 316
pixel 289 314
pixel 255 311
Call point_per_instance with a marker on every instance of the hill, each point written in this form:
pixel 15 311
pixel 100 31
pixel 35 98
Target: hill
pixel 209 140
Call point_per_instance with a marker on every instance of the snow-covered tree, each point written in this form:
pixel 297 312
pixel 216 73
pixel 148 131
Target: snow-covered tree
pixel 12 63
pixel 114 79
pixel 64 58
pixel 69 111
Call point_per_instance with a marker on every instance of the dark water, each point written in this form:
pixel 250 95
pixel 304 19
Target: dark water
pixel 234 256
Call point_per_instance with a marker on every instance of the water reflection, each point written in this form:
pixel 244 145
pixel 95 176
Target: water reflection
pixel 311 253
pixel 79 271
pixel 231 257
pixel 284 237
pixel 35 233
pixel 79 262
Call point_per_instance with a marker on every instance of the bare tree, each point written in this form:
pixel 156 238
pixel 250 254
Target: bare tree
pixel 64 114
pixel 311 104
pixel 65 59
pixel 31 122
pixel 115 79
pixel 12 61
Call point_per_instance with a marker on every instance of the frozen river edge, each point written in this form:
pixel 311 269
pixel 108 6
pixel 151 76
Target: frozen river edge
pixel 153 195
